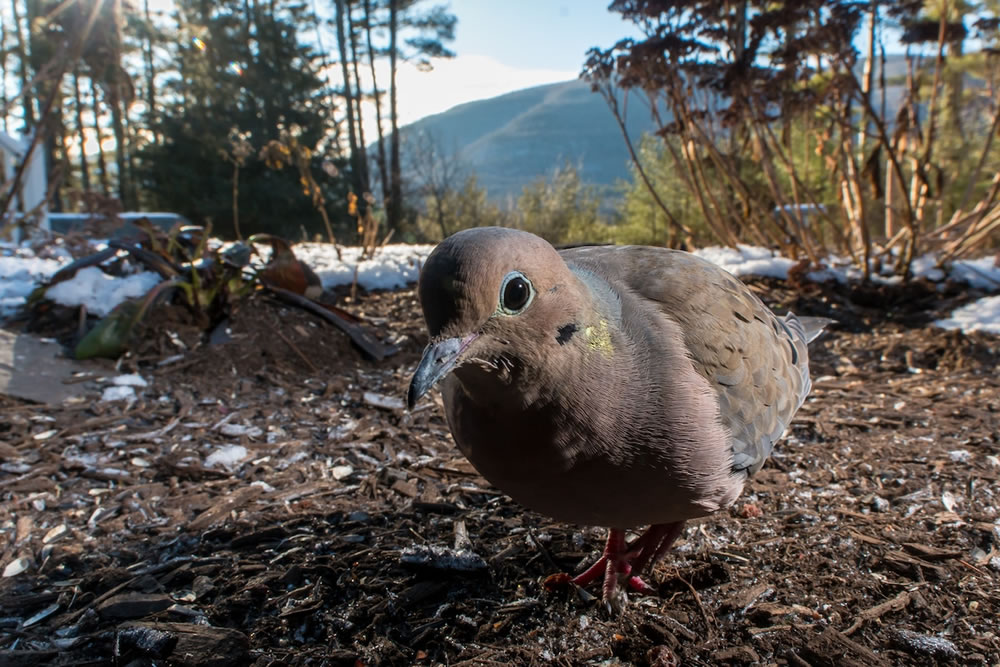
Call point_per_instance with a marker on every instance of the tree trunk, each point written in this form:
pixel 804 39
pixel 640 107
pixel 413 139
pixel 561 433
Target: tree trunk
pixel 22 55
pixel 150 74
pixel 102 163
pixel 81 134
pixel 48 122
pixel 118 126
pixel 349 98
pixel 382 165
pixel 56 154
pixel 394 207
pixel 4 101
pixel 133 186
pixel 362 146
pixel 868 80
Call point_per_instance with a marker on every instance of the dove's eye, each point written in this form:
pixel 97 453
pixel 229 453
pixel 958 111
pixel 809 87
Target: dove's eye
pixel 515 293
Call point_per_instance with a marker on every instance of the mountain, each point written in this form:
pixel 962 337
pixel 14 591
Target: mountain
pixel 511 140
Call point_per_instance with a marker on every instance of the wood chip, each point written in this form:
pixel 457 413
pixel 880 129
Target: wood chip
pixel 58 532
pixel 407 488
pixel 928 552
pixel 127 606
pixel 16 567
pixel 182 644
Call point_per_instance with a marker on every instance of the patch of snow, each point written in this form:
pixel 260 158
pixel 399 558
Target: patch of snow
pixel 99 292
pixel 925 266
pixel 118 393
pixel 748 260
pixel 130 380
pixel 18 277
pixel 393 267
pixel 227 456
pixel 982 273
pixel 397 265
pixel 21 268
pixel 980 315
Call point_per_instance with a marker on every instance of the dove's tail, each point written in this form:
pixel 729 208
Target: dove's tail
pixel 812 327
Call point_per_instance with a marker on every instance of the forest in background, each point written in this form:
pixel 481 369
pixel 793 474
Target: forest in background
pixel 237 113
pixel 773 123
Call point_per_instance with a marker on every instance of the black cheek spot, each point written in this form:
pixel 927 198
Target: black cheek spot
pixel 566 332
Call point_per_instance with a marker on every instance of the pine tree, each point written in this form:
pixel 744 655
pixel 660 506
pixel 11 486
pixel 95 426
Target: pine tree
pixel 240 66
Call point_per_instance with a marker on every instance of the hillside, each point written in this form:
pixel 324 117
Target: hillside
pixel 511 140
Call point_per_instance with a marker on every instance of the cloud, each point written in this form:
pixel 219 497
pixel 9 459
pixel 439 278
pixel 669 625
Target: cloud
pixel 452 82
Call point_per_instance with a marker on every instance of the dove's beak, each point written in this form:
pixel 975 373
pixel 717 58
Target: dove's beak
pixel 439 359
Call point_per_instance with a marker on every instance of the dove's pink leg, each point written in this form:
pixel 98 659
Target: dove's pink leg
pixel 613 561
pixel 651 546
pixel 619 559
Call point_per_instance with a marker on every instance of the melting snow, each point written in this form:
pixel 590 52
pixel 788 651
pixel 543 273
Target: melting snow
pixel 398 265
pixel 981 315
pixel 393 267
pixel 130 380
pixel 747 260
pixel 227 456
pixel 118 393
pixel 99 292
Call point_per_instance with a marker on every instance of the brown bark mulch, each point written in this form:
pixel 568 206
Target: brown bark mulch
pixel 267 501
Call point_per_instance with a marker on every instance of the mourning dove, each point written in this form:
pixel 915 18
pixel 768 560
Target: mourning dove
pixel 614 386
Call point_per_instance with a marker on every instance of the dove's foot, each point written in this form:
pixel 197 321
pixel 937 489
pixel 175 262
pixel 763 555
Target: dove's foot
pixel 627 561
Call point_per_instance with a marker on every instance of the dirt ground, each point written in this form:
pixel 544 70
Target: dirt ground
pixel 350 532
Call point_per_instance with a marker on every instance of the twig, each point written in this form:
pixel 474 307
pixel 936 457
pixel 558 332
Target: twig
pixel 98 600
pixel 897 603
pixel 152 435
pixel 363 339
pixel 297 351
pixel 542 549
pixel 709 620
pixel 606 89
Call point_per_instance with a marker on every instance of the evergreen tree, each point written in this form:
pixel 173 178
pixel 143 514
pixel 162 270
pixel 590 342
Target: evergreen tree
pixel 562 209
pixel 240 66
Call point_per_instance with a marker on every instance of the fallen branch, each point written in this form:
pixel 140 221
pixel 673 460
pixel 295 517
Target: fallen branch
pixel 365 341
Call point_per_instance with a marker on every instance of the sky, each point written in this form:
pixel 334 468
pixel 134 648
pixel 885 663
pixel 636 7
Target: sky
pixel 506 46
pixel 501 46
pixel 552 34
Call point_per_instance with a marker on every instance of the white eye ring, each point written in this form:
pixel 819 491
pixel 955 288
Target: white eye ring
pixel 516 294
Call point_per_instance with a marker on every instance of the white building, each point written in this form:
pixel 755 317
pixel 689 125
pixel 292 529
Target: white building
pixel 33 181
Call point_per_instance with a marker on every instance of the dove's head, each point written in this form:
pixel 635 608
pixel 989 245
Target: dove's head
pixel 497 301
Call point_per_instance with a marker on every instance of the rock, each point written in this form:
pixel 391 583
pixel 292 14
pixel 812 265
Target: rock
pixel 442 558
pixel 880 504
pixel 938 648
